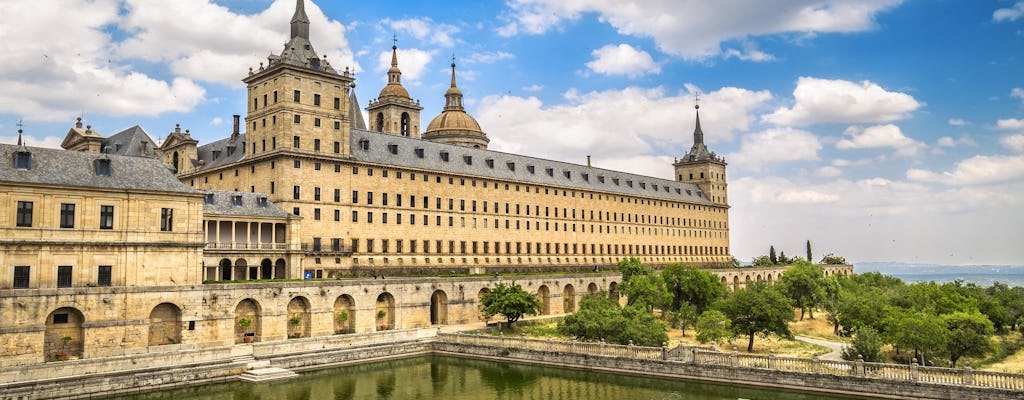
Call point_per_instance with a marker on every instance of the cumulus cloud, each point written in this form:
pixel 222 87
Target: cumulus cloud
pixel 775 145
pixel 879 136
pixel 840 101
pixel 748 53
pixel 158 34
pixel 947 141
pixel 622 59
pixel 603 124
pixel 412 62
pixel 696 29
pixel 957 122
pixel 1013 142
pixel 1008 14
pixel 829 171
pixel 533 88
pixel 54 74
pixel 488 57
pixel 976 170
pixel 216 121
pixel 424 29
pixel 1011 124
pixel 52 142
pixel 1017 92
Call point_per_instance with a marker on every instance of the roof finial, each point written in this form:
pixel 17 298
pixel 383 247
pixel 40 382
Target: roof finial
pixel 696 100
pixel 20 141
pixel 300 22
pixel 698 134
pixel 453 70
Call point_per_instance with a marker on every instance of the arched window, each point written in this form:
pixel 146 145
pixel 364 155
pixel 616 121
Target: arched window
pixel 380 122
pixel 174 160
pixel 405 124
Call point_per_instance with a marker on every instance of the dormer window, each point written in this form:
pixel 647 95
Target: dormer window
pixel 568 175
pixel 393 148
pixel 468 160
pixel 586 177
pixel 444 156
pixel 418 151
pixel 261 202
pixel 655 186
pixel 231 150
pixel 209 198
pixel 364 144
pixel 531 169
pixel 688 192
pixel 102 167
pixel 511 166
pixel 629 183
pixel 22 160
pixel 666 188
pixel 600 178
pixel 700 194
pixel 678 191
pixel 643 185
pixel 550 171
pixel 615 181
pixel 216 154
pixel 236 200
pixel 489 162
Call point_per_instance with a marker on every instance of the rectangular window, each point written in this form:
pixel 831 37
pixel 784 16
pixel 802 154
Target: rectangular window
pixel 355 216
pixel 25 213
pixel 316 142
pixel 295 192
pixel 297 119
pixel 355 197
pixel 369 198
pixel 106 217
pixel 166 219
pixel 337 195
pixel 316 194
pixel 64 276
pixel 275 96
pixel 316 214
pixel 337 146
pixel 67 215
pixel 297 96
pixel 316 122
pixel 295 141
pixel 337 103
pixel 21 276
pixel 103 276
pixel 337 215
pixel 316 99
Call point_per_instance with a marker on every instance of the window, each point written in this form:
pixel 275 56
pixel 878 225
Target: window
pixel 295 211
pixel 103 276
pixel 316 121
pixel 337 103
pixel 297 164
pixel 209 198
pixel 236 200
pixel 21 276
pixel 316 99
pixel 316 193
pixel 23 160
pixel 67 215
pixel 369 198
pixel 393 148
pixel 364 144
pixel 25 213
pixel 337 145
pixel 419 152
pixel 295 192
pixel 63 276
pixel 102 167
pixel 355 197
pixel 355 216
pixel 275 96
pixel 166 219
pixel 444 156
pixel 316 214
pixel 337 125
pixel 316 142
pixel 297 118
pixel 106 217
pixel 296 142
pixel 297 96
pixel 261 202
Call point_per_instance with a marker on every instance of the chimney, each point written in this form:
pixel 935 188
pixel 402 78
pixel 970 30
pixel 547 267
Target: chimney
pixel 588 160
pixel 234 132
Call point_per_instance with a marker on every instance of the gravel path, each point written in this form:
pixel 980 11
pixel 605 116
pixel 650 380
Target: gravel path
pixel 837 347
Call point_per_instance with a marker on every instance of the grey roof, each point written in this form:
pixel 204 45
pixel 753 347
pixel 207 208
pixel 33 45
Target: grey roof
pixel 224 205
pixel 357 121
pixel 221 152
pixel 133 141
pixel 76 168
pixel 471 161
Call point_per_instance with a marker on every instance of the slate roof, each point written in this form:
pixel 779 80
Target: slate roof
pixel 227 150
pixel 224 205
pixel 471 161
pixel 75 168
pixel 133 141
pixel 356 114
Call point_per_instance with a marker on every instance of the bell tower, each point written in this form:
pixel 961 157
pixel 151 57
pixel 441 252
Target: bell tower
pixel 703 168
pixel 394 112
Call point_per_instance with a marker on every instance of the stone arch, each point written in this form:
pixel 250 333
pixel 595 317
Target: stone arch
pixel 771 278
pixel 225 269
pixel 479 297
pixel 240 269
pixel 592 288
pixel 174 161
pixel 759 278
pixel 439 308
pixel 298 317
pixel 544 295
pixel 735 283
pixel 568 299
pixel 380 122
pixel 280 269
pixel 266 269
pixel 404 125
pixel 248 310
pixel 165 325
pixel 385 303
pixel 347 305
pixel 65 335
pixel 725 281
pixel 613 290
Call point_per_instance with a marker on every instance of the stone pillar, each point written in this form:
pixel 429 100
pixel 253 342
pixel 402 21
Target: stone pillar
pixel 968 374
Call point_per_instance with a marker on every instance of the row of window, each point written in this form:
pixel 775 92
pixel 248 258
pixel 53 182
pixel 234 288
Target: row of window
pixel 296 97
pixel 485 247
pixel 26 210
pixel 23 276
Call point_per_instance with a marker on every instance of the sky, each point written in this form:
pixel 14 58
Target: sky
pixel 880 130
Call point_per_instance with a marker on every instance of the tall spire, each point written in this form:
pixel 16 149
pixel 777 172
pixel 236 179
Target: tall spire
pixel 21 142
pixel 453 96
pixel 300 22
pixel 394 74
pixel 698 135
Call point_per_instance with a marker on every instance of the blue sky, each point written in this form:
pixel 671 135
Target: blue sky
pixel 882 130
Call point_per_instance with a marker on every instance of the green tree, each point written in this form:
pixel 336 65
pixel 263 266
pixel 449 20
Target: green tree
pixel 688 285
pixel 762 261
pixel 804 284
pixel 758 309
pixel 511 301
pixel 632 266
pixel 832 300
pixel 866 343
pixel 809 256
pixel 968 335
pixel 682 318
pixel 600 317
pixel 783 259
pixel 832 259
pixel 712 325
pixel 917 330
pixel 645 291
pixel 772 256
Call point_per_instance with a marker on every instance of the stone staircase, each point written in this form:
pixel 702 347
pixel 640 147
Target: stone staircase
pixel 261 371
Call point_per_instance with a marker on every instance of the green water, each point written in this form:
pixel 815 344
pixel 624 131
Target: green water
pixel 436 377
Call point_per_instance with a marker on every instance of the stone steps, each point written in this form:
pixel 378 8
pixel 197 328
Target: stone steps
pixel 266 374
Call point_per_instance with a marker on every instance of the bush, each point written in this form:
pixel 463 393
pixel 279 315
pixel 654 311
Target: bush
pixel 867 343
pixel 832 259
pixel 600 317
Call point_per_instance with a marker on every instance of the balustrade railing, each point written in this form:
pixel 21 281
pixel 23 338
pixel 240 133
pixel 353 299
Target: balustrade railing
pixel 708 356
pixel 246 246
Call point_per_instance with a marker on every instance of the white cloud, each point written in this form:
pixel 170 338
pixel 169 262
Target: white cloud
pixel 879 136
pixel 1017 92
pixel 488 57
pixel 533 88
pixel 438 34
pixel 52 142
pixel 696 29
pixel 839 101
pixel 947 141
pixel 1010 124
pixel 599 123
pixel 622 60
pixel 216 121
pixel 749 53
pixel 412 62
pixel 158 34
pixel 774 146
pixel 54 74
pixel 1011 13
pixel 829 171
pixel 1013 142
pixel 976 170
pixel 957 122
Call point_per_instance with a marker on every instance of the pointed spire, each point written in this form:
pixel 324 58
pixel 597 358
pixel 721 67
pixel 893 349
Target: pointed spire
pixel 300 22
pixel 394 74
pixel 453 97
pixel 453 70
pixel 698 135
pixel 21 142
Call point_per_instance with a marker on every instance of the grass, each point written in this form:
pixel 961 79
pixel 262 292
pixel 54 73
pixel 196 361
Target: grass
pixel 1007 355
pixel 818 328
pixel 782 347
pixel 537 328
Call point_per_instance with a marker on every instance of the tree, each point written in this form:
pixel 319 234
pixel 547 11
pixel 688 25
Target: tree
pixel 916 330
pixel 783 259
pixel 772 256
pixel 600 317
pixel 645 291
pixel 713 326
pixel 758 309
pixel 832 259
pixel 804 283
pixel 511 301
pixel 682 318
pixel 866 343
pixel 968 335
pixel 688 285
pixel 809 256
pixel 832 300
pixel 761 261
pixel 632 266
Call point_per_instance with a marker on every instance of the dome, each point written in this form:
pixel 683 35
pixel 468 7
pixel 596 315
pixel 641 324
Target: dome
pixel 453 121
pixel 392 89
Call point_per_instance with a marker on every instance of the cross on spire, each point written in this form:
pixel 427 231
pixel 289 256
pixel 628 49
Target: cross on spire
pixel 20 126
pixel 394 40
pixel 696 100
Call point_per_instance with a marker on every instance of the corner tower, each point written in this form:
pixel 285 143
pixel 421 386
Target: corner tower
pixel 703 168
pixel 394 112
pixel 454 125
pixel 298 101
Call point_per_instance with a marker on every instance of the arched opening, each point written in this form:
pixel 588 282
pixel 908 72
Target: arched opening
pixel 174 161
pixel 247 321
pixel 385 311
pixel 759 278
pixel 439 308
pixel 298 317
pixel 344 314
pixel 405 124
pixel 771 278
pixel 568 299
pixel 64 337
pixel 380 122
pixel 747 281
pixel 165 325
pixel 735 283
pixel 279 269
pixel 592 288
pixel 225 270
pixel 544 295
pixel 240 266
pixel 266 269
pixel 479 296
pixel 613 291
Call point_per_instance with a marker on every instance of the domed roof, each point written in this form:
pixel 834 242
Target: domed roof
pixel 393 89
pixel 453 120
